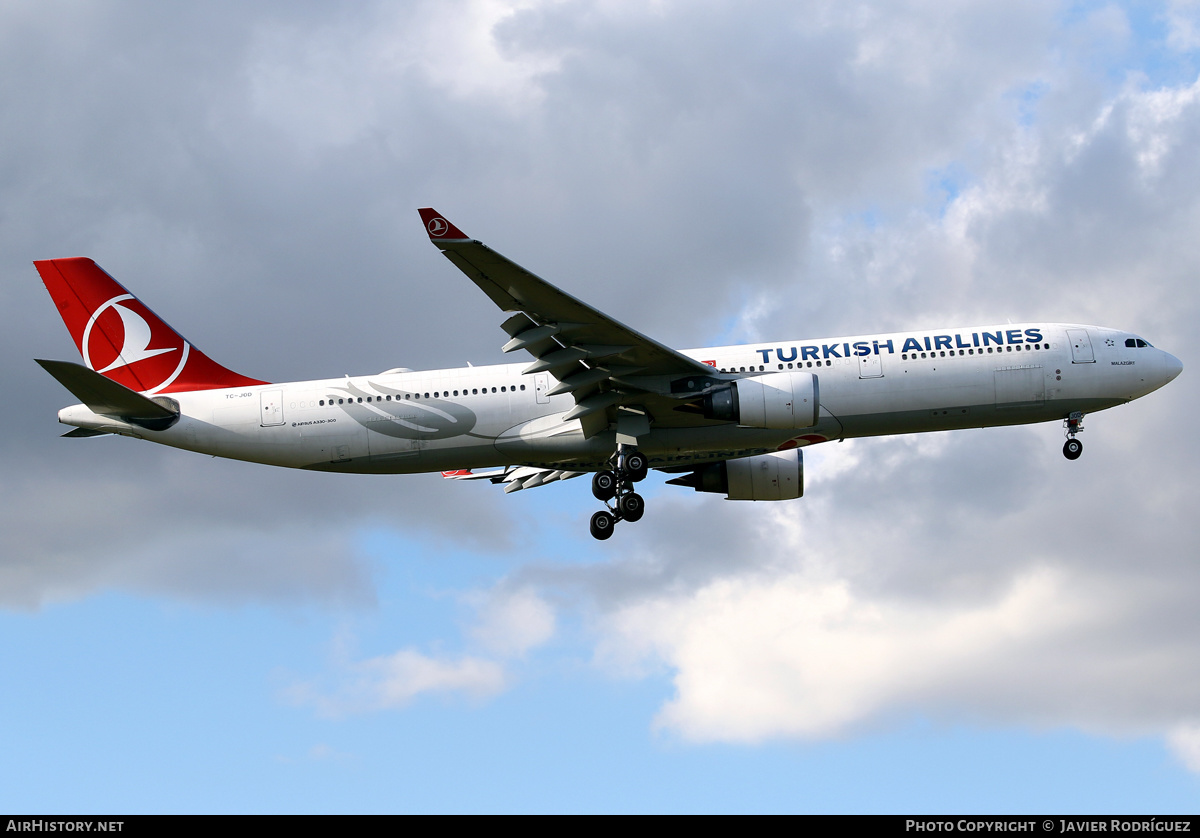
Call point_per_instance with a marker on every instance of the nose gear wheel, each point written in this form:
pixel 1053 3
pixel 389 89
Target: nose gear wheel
pixel 1073 424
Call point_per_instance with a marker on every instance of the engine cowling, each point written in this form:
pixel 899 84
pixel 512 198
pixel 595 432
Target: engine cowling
pixel 778 400
pixel 775 476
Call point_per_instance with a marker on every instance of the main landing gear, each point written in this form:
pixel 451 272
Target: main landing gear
pixel 615 487
pixel 1073 424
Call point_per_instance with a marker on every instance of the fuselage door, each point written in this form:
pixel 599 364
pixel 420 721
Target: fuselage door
pixel 870 366
pixel 541 384
pixel 1081 347
pixel 272 408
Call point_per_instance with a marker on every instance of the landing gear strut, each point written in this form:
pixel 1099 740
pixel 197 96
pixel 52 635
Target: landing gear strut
pixel 615 487
pixel 1073 424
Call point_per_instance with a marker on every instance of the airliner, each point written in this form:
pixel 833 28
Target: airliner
pixel 598 397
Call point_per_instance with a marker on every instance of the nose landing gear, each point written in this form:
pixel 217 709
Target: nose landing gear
pixel 615 488
pixel 1073 424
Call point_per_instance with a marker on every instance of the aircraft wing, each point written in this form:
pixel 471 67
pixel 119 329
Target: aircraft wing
pixel 601 362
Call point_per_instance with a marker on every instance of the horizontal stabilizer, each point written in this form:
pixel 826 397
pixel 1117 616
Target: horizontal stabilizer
pixel 108 398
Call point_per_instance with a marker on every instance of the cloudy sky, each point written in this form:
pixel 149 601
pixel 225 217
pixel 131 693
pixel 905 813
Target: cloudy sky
pixel 950 622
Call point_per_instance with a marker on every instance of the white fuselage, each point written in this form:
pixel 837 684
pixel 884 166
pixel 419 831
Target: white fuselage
pixel 477 417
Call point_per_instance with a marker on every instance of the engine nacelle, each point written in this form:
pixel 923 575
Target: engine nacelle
pixel 775 476
pixel 778 400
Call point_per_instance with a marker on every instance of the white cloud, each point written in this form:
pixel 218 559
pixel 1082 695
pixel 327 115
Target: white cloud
pixel 963 573
pixel 305 79
pixel 968 575
pixel 1183 33
pixel 512 622
pixel 798 656
pixel 321 752
pixel 1153 122
pixel 393 681
pixel 1184 740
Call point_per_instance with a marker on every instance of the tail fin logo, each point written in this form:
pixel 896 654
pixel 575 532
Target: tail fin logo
pixel 118 346
pixel 437 226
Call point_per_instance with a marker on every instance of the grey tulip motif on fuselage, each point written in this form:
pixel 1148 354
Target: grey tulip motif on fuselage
pixel 408 415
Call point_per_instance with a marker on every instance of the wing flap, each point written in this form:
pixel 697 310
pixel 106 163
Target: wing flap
pixel 515 478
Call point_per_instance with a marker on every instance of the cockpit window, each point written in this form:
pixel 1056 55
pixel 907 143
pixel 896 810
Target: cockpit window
pixel 1130 342
pixel 1136 342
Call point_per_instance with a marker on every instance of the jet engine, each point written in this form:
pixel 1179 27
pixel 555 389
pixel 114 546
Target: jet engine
pixel 775 476
pixel 778 400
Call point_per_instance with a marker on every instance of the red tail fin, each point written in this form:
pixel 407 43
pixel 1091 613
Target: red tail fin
pixel 122 339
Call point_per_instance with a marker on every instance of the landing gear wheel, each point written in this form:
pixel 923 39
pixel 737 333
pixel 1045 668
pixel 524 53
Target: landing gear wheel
pixel 602 525
pixel 636 466
pixel 604 486
pixel 1072 448
pixel 631 506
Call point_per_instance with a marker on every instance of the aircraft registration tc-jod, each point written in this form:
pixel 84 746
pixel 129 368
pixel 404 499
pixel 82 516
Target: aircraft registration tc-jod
pixel 598 397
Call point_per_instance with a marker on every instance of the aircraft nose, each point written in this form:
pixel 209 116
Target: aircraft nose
pixel 1172 366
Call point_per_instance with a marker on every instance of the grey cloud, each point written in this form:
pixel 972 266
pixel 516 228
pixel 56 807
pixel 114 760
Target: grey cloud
pixel 253 173
pixel 923 528
pixel 110 512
